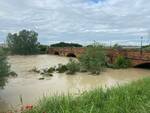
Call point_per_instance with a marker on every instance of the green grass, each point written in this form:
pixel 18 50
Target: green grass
pixel 131 98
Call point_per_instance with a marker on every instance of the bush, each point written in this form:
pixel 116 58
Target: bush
pixel 51 70
pixel 61 68
pixel 43 49
pixel 122 62
pixel 73 67
pixel 94 59
pixel 4 66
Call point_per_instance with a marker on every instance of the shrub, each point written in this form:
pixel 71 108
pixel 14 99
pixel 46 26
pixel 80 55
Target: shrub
pixel 61 68
pixel 73 67
pixel 122 62
pixel 43 49
pixel 51 70
pixel 4 66
pixel 94 59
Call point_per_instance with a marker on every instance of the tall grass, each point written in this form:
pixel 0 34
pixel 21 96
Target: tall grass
pixel 132 98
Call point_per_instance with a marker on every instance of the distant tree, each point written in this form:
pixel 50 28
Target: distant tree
pixel 43 49
pixel 25 42
pixel 63 44
pixel 117 46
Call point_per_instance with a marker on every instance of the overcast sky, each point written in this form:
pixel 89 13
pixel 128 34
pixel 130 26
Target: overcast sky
pixel 81 21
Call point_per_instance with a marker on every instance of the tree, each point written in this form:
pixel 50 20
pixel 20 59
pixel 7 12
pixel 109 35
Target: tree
pixel 43 49
pixel 94 59
pixel 24 43
pixel 117 46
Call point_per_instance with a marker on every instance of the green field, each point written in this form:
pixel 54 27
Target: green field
pixel 131 98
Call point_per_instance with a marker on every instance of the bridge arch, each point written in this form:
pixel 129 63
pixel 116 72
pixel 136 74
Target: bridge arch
pixel 143 65
pixel 56 53
pixel 71 55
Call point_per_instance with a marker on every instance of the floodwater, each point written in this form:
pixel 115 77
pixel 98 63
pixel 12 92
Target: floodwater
pixel 28 86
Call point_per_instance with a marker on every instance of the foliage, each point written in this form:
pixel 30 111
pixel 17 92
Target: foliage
pixel 63 44
pixel 122 62
pixel 3 81
pixel 43 49
pixel 4 68
pixel 51 70
pixel 146 48
pixel 24 43
pixel 61 68
pixel 73 67
pixel 131 98
pixel 94 59
pixel 117 46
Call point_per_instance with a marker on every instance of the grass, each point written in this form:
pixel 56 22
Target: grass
pixel 131 98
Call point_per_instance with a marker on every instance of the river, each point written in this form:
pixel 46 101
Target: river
pixel 28 86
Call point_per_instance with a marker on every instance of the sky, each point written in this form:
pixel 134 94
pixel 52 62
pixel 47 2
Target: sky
pixel 79 21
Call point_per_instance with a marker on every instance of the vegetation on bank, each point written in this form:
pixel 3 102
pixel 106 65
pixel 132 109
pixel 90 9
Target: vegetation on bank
pixel 63 44
pixel 73 67
pixel 93 59
pixel 121 62
pixel 131 98
pixel 4 68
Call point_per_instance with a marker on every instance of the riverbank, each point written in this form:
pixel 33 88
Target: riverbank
pixel 131 98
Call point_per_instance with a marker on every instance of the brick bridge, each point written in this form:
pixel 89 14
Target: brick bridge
pixel 136 57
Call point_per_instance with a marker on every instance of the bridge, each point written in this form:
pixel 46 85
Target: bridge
pixel 137 58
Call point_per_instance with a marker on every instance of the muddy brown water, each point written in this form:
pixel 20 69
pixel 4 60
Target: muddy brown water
pixel 28 86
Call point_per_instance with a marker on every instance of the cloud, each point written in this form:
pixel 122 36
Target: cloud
pixel 77 20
